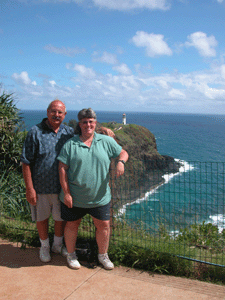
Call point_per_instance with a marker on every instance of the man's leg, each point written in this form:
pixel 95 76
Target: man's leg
pixel 42 227
pixel 58 246
pixel 56 214
pixel 59 226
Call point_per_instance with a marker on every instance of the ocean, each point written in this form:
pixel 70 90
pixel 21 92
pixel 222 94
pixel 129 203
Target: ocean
pixel 193 195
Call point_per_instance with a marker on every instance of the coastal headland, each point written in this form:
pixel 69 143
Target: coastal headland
pixel 145 168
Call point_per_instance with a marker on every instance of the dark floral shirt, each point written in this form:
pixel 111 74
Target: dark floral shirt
pixel 40 151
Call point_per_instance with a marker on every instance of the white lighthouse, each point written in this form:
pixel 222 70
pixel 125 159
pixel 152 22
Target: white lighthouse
pixel 124 121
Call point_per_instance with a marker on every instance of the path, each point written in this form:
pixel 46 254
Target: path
pixel 23 276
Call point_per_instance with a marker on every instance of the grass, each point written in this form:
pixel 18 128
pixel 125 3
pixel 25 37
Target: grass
pixel 132 245
pixel 125 250
pixel 12 195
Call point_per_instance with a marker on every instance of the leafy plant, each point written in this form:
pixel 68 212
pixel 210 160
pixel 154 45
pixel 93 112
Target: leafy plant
pixel 13 201
pixel 11 136
pixel 12 189
pixel 205 236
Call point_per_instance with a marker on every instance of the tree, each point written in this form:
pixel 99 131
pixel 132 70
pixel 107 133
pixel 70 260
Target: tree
pixel 11 136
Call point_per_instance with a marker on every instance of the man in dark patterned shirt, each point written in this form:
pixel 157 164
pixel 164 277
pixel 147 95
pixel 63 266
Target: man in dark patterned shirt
pixel 40 170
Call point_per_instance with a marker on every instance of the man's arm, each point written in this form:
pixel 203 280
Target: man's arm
pixel 30 191
pixel 120 165
pixel 68 200
pixel 107 131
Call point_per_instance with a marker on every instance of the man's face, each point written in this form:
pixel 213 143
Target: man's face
pixel 56 114
pixel 87 126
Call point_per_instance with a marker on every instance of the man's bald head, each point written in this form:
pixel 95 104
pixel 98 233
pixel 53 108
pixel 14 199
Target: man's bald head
pixel 56 101
pixel 56 113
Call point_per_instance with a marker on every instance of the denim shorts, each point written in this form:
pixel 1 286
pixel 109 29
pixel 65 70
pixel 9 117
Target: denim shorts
pixel 75 213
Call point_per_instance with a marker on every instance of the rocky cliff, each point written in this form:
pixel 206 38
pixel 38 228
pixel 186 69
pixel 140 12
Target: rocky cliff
pixel 145 167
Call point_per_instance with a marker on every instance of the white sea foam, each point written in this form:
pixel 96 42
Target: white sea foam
pixel 185 167
pixel 174 234
pixel 219 221
pixel 122 210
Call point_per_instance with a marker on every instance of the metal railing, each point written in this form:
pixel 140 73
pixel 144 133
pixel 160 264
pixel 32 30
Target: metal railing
pixel 182 214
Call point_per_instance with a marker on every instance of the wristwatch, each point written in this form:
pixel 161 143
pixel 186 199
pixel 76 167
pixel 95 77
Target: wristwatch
pixel 122 161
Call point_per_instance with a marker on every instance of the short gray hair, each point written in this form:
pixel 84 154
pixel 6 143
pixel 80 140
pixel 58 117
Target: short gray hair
pixel 86 113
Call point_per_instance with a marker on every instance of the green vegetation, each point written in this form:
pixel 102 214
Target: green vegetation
pixel 204 236
pixel 165 263
pixel 12 190
pixel 145 167
pixel 11 136
pixel 136 249
pixel 132 246
pixel 13 201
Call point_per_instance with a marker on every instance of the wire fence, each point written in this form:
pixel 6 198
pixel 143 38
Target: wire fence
pixel 180 213
pixel 183 215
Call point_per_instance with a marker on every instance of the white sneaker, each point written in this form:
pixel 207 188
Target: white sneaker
pixel 45 254
pixel 105 261
pixel 72 261
pixel 60 249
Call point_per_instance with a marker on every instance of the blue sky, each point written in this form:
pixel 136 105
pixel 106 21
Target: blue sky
pixel 119 55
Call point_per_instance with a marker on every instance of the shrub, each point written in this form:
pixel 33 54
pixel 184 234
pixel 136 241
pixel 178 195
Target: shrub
pixel 11 136
pixel 12 189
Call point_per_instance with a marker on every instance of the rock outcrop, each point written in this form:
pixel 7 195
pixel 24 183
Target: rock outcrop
pixel 145 167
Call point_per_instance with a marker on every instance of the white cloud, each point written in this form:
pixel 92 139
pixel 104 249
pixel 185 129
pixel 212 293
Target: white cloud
pixel 205 45
pixel 84 72
pixel 122 69
pixel 163 83
pixel 120 5
pixel 143 70
pixel 106 57
pixel 154 43
pixel 52 82
pixel 213 93
pixel 175 93
pixel 64 51
pixel 172 92
pixel 220 1
pixel 123 5
pixel 223 71
pixel 23 78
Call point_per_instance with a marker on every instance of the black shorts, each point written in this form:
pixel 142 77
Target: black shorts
pixel 75 213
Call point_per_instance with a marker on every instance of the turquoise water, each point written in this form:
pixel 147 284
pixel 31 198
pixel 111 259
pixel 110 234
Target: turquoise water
pixel 197 192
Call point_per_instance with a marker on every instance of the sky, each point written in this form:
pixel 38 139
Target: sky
pixel 114 55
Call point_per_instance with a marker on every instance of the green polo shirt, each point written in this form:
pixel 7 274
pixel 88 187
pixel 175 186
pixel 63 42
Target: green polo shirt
pixel 88 172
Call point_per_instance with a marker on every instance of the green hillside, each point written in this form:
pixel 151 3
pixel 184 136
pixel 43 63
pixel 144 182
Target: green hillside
pixel 145 167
